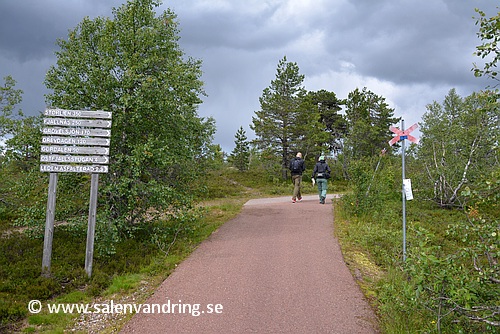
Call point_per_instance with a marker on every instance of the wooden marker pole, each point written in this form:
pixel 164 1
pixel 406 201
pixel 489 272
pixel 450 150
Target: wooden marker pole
pixel 89 255
pixel 49 225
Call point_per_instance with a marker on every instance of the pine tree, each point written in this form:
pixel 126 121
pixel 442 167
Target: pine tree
pixel 276 124
pixel 369 118
pixel 240 156
pixel 326 127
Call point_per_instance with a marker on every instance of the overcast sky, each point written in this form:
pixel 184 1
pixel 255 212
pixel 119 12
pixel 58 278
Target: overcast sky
pixel 411 52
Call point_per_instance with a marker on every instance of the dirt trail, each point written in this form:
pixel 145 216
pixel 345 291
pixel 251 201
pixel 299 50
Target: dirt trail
pixel 276 268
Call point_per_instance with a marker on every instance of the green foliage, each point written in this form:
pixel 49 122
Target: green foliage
pixel 449 282
pixel 240 157
pixel 372 181
pixel 369 118
pixel 318 125
pixel 433 274
pixel 480 233
pixel 23 146
pixel 327 131
pixel 9 98
pixel 293 120
pixel 457 282
pixel 123 283
pixel 166 233
pixel 21 150
pixel 397 307
pixel 30 191
pixel 489 34
pixel 133 66
pixel 459 145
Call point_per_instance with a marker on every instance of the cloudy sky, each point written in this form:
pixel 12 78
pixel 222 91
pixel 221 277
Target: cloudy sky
pixel 410 52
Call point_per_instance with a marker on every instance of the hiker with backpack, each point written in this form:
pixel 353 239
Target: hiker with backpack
pixel 297 167
pixel 321 174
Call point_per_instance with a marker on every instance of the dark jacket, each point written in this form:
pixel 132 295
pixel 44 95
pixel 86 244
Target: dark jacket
pixel 321 167
pixel 302 166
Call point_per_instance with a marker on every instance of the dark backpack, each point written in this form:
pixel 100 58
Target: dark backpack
pixel 297 166
pixel 324 173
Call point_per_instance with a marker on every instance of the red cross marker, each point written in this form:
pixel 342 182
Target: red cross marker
pixel 402 135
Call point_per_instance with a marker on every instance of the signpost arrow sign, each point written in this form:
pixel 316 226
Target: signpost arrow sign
pixel 83 141
pixel 77 122
pixel 61 149
pixel 78 159
pixel 402 135
pixel 57 131
pixel 78 113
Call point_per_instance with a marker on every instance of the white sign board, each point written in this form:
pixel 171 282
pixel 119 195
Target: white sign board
pixel 74 169
pixel 78 113
pixel 408 192
pixel 74 159
pixel 84 141
pixel 76 132
pixel 75 122
pixel 75 141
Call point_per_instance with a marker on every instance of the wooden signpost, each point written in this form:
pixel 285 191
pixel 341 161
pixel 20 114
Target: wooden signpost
pixel 74 141
pixel 401 136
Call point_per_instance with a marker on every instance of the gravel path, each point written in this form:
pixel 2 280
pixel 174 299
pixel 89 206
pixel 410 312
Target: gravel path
pixel 276 268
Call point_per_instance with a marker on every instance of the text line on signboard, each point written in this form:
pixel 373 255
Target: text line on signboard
pixel 91 132
pixel 98 114
pixel 75 122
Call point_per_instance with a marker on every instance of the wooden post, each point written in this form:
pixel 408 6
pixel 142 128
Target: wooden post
pixel 49 225
pixel 94 184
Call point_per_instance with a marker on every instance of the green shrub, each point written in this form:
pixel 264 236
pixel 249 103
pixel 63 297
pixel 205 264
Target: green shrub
pixel 373 183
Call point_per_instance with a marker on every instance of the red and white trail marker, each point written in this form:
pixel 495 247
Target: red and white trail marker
pixel 406 190
pixel 402 135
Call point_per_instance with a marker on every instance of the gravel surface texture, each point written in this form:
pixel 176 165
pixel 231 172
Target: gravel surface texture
pixel 275 268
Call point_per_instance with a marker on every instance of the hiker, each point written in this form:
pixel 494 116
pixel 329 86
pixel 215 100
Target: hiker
pixel 321 174
pixel 297 167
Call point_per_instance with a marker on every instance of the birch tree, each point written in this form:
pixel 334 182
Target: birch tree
pixel 459 144
pixel 132 64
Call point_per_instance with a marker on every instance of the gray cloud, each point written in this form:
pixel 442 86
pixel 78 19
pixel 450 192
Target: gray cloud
pixel 411 52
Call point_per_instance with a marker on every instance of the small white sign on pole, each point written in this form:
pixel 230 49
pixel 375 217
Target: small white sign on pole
pixel 408 192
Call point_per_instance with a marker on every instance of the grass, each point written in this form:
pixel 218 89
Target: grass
pixel 372 246
pixel 135 271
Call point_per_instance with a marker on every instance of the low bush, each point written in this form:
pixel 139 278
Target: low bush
pixel 449 282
